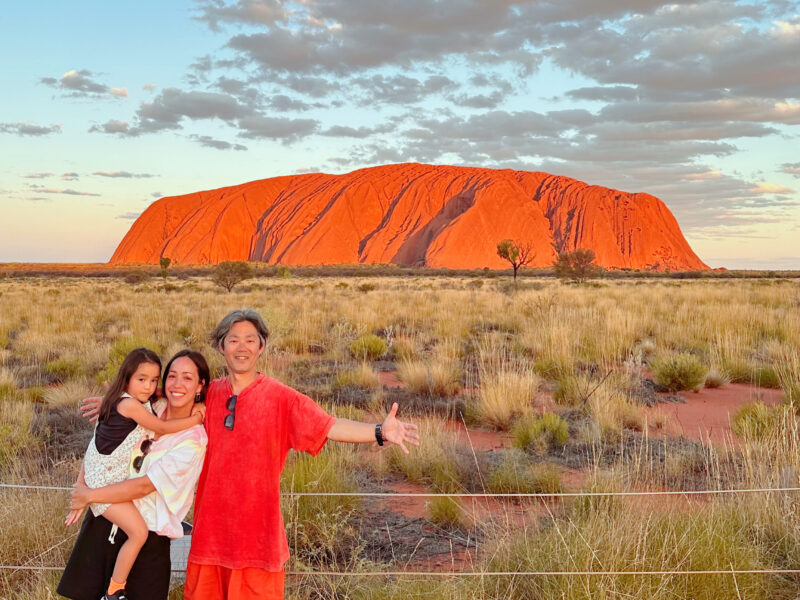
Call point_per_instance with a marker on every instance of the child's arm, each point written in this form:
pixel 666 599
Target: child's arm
pixel 133 409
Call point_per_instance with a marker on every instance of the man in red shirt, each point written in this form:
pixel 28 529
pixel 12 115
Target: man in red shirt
pixel 239 542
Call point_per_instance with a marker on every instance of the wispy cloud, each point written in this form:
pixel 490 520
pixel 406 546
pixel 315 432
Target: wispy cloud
pixel 122 175
pixel 29 129
pixel 80 83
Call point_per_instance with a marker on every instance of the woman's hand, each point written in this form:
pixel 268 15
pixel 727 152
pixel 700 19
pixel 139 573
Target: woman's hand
pixel 80 496
pixel 90 407
pixel 398 432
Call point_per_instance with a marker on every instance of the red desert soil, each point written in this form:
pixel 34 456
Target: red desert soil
pixel 706 415
pixel 408 214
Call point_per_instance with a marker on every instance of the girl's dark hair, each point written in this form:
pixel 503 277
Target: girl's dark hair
pixel 202 370
pixel 126 370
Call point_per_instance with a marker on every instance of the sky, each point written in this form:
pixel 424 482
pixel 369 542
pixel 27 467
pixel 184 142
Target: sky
pixel 108 106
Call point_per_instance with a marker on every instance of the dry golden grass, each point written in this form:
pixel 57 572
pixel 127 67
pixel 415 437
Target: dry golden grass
pixel 488 343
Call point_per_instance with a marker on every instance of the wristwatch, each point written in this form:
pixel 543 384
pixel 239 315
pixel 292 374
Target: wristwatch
pixel 379 434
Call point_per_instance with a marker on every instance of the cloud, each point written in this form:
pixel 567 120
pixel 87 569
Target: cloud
pixel 791 168
pixel 129 216
pixel 149 87
pixel 29 129
pixel 263 12
pixel 66 192
pixel 113 126
pixel 156 195
pixel 285 130
pixel 38 175
pixel 763 187
pixel 80 83
pixel 72 176
pixel 122 174
pixel 353 132
pixel 209 142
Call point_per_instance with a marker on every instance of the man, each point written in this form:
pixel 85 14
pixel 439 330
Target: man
pixel 239 543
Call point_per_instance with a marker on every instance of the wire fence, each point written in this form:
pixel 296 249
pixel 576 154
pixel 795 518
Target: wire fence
pixel 445 573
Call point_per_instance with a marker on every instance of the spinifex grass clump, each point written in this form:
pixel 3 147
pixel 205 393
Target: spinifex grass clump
pixel 516 475
pixel 506 395
pixel 757 421
pixel 445 511
pixel 363 376
pixel 368 347
pixel 540 433
pixel 679 372
pixel 438 377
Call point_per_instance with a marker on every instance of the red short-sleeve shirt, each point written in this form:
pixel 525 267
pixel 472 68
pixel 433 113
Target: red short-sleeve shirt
pixel 237 516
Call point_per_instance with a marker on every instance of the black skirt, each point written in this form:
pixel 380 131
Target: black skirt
pixel 91 563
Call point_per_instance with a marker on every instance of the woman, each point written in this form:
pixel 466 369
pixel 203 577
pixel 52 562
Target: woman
pixel 163 477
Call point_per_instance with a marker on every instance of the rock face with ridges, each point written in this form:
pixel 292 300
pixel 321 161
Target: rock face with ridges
pixel 408 214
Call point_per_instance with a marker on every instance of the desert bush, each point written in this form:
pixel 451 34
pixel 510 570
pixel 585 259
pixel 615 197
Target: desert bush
pixel 789 378
pixel 229 273
pixel 119 350
pixel 572 390
pixel 368 347
pixel 363 376
pixel 506 395
pixel 577 265
pixel 756 421
pixel 716 378
pixel 514 475
pixel 439 377
pixel 445 511
pixel 437 462
pixel 765 376
pixel 66 368
pixel 404 348
pixel 136 276
pixel 679 372
pixel 540 433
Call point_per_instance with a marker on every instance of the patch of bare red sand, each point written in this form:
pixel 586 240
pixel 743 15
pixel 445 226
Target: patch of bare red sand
pixel 389 379
pixel 706 415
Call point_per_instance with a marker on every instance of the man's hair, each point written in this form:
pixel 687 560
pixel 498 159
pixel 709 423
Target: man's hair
pixel 237 316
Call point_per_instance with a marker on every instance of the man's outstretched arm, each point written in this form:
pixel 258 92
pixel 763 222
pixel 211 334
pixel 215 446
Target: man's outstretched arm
pixel 393 431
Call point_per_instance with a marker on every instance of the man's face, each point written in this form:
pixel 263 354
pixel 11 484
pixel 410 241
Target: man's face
pixel 242 347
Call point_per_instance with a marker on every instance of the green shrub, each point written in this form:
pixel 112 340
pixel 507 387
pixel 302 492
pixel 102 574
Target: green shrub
pixel 368 347
pixel 119 350
pixel 571 390
pixel 679 372
pixel 445 511
pixel 756 421
pixel 766 377
pixel 66 368
pixel 540 433
pixel 283 272
pixel 229 273
pixel 512 476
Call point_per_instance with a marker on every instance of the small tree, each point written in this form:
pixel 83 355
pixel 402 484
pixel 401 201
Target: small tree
pixel 518 255
pixel 227 274
pixel 164 263
pixel 577 265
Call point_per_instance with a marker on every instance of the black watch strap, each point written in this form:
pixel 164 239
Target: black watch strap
pixel 379 434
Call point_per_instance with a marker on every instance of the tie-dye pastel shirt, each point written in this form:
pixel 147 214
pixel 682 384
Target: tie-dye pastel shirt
pixel 173 465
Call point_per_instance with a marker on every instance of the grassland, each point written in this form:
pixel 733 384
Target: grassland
pixel 560 375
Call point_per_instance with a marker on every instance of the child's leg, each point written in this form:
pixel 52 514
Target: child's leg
pixel 126 517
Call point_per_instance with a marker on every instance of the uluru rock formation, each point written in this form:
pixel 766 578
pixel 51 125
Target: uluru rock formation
pixel 408 214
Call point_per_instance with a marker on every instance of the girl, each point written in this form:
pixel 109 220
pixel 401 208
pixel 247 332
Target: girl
pixel 125 417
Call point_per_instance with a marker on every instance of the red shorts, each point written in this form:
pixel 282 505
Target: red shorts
pixel 211 582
